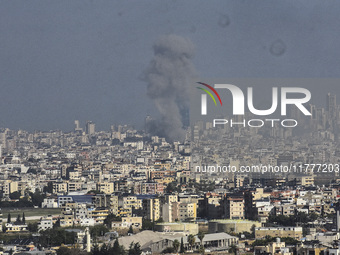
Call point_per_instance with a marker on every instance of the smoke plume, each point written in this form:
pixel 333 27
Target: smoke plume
pixel 169 77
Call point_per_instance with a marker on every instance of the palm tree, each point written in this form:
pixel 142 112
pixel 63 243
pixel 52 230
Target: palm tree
pixel 191 240
pixel 201 236
pixel 182 250
pixel 233 249
pixel 176 244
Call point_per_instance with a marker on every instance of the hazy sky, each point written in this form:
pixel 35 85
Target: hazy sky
pixel 67 60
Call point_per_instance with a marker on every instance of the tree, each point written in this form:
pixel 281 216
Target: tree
pixel 173 187
pixel 70 251
pixel 32 170
pixel 291 220
pixel 176 244
pixel 95 250
pixel 233 249
pixel 245 235
pixel 263 242
pixel 130 230
pixel 116 244
pixel 168 250
pixel 117 249
pixel 191 240
pixel 182 250
pixel 104 249
pixel 48 188
pixel 201 236
pixel 134 249
pixel 252 229
pixel 312 216
pixel 23 218
pixel 37 197
pixel 110 218
pixel 160 220
pixel 201 250
pixel 98 230
pixel 33 227
pixel 4 229
pixel 63 251
pixel 15 195
pixel 56 224
pixel 9 218
pixel 56 237
pixel 18 221
pixel 147 224
pixel 290 240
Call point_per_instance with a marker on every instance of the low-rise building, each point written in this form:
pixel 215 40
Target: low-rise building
pixel 294 232
pixel 235 226
pixel 45 223
pixel 11 227
pixel 188 228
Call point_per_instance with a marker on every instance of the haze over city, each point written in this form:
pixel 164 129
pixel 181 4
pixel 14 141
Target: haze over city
pixel 86 60
pixel 162 127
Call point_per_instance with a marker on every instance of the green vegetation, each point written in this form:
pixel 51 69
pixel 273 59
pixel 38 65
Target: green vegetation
pixel 147 224
pixel 169 250
pixel 291 220
pixel 33 227
pixel 23 202
pixel 247 235
pixel 116 249
pixel 15 195
pixel 176 245
pixel 29 212
pixel 29 200
pixel 98 230
pixel 134 249
pixel 7 237
pixel 48 188
pixel 173 187
pixel 108 250
pixel 233 249
pixel 56 237
pixel 191 240
pixel 182 250
pixel 201 236
pixel 70 251
pixel 110 218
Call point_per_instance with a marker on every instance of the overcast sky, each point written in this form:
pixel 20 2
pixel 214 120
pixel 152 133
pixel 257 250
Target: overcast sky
pixel 67 60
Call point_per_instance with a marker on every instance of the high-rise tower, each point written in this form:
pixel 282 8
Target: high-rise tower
pixel 331 105
pixel 90 128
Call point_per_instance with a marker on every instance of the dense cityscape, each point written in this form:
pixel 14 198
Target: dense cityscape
pixel 125 191
pixel 169 127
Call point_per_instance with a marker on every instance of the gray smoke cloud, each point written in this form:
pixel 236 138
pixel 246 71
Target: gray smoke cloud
pixel 169 77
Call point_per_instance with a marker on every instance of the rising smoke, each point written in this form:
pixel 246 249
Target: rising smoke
pixel 169 77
